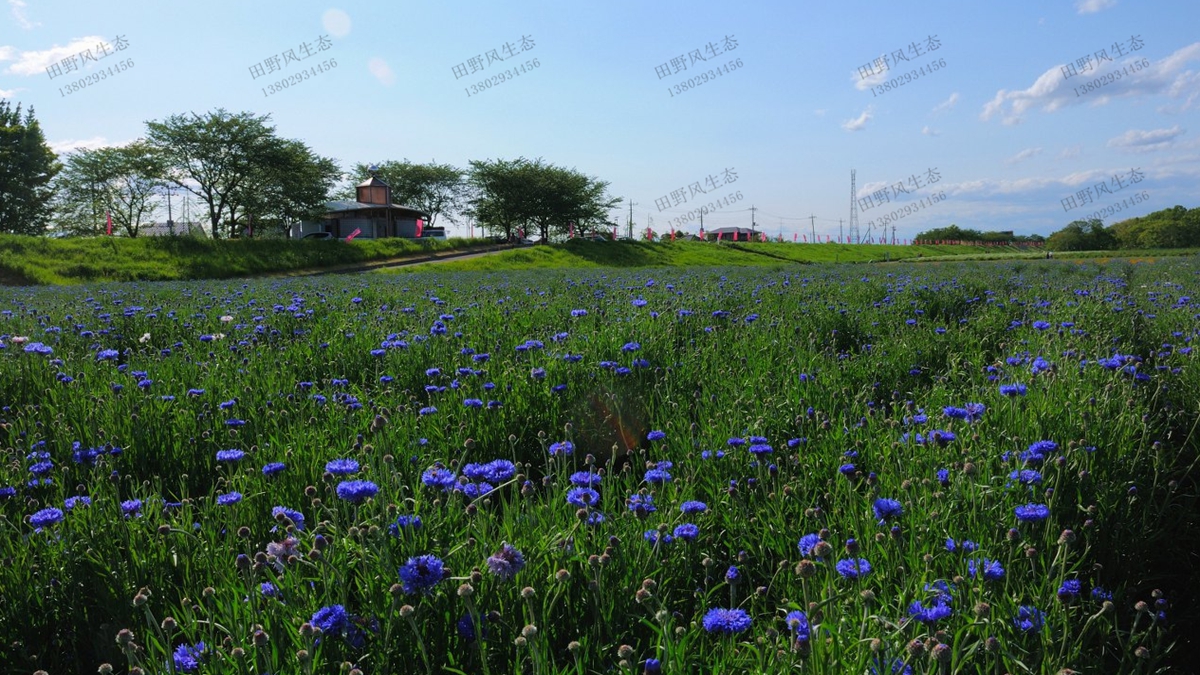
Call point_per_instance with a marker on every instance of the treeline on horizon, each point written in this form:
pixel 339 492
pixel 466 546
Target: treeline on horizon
pixel 1176 227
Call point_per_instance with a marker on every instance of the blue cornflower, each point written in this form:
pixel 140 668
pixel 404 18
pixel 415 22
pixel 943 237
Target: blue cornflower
pixel 107 355
pixel 495 471
pixel 641 505
pixel 693 507
pixel 990 570
pixel 852 568
pixel 421 573
pixel 71 502
pixel 943 477
pixel 955 413
pixel 887 508
pixel 797 621
pixel 807 542
pixel 1029 619
pixel 582 497
pixel 281 512
pixel 631 347
pixel 760 449
pixel 933 613
pixel 332 619
pixel 657 476
pixel 473 403
pixel 939 437
pixel 438 477
pixel 654 537
pixel 1041 325
pixel 46 518
pixel 1026 476
pixel 230 455
pixel 474 490
pixel 687 532
pixel 1069 591
pixel 342 467
pixel 736 442
pixel 1099 594
pixel 273 468
pixel 404 522
pixel 732 575
pixel 726 621
pixel 1012 390
pixel 466 628
pixel 562 448
pixel 585 479
pixel 427 410
pixel 132 508
pixel 1032 513
pixel 656 435
pixel 229 498
pixel 189 657
pixel 356 491
pixel 506 562
pixel 86 456
pixel 579 312
pixel 269 590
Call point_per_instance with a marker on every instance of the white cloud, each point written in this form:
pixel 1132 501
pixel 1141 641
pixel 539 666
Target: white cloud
pixel 1071 152
pixel 858 123
pixel 62 147
pixel 381 70
pixel 18 12
pixel 8 93
pixel 876 78
pixel 947 104
pixel 819 113
pixel 1024 155
pixel 1050 92
pixel 1136 140
pixel 336 22
pixel 35 63
pixel 930 132
pixel 1093 6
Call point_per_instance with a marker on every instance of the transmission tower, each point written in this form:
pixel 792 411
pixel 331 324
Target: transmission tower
pixel 853 230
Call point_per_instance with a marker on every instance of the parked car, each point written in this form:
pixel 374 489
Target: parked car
pixel 323 236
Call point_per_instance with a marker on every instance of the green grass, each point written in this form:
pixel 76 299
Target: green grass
pixel 588 254
pixel 39 260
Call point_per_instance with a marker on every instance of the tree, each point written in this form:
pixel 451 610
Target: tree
pixel 123 181
pixel 27 167
pixel 228 161
pixel 545 197
pixel 291 183
pixel 438 189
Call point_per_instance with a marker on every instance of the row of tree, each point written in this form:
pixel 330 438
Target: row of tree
pixel 250 179
pixel 956 233
pixel 1176 227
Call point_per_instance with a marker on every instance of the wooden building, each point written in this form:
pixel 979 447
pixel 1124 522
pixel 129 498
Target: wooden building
pixel 372 213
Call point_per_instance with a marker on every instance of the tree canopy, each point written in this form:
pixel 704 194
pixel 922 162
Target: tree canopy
pixel 27 168
pixel 240 169
pixel 123 181
pixel 540 197
pixel 441 190
pixel 1176 227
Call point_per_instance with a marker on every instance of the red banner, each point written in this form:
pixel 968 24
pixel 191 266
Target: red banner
pixel 108 214
pixel 357 231
pixel 421 227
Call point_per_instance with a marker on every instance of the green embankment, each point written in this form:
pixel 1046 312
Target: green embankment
pixel 688 253
pixel 38 260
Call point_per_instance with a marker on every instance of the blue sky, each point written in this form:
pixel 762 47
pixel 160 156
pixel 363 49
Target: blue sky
pixel 1006 132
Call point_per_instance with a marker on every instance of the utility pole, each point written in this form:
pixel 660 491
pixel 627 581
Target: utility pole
pixel 752 210
pixel 813 220
pixel 631 205
pixel 839 230
pixel 853 232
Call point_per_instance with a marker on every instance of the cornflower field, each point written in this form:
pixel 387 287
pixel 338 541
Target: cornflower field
pixel 829 469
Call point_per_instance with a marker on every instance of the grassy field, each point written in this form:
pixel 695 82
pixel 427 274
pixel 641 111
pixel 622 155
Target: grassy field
pixel 589 254
pixel 39 260
pixel 976 468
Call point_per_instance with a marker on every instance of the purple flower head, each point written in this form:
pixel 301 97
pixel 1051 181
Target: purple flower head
pixel 1032 513
pixel 230 455
pixel 583 497
pixel 852 568
pixel 342 467
pixel 691 507
pixel 726 621
pixel 421 573
pixel 356 491
pixel 506 562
